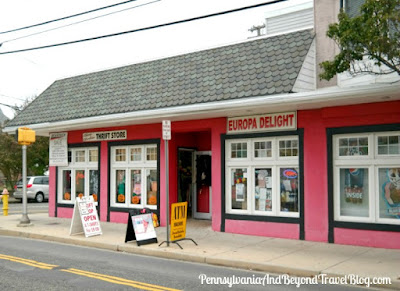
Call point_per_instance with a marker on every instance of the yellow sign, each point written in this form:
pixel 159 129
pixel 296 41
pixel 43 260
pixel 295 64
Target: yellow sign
pixel 25 136
pixel 178 220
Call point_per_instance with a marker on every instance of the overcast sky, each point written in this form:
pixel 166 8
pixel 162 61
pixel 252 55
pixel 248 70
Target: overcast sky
pixel 27 74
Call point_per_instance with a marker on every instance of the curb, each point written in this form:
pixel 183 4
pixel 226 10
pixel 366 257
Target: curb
pixel 172 254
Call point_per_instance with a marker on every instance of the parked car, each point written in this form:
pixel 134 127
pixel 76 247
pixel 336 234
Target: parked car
pixel 37 188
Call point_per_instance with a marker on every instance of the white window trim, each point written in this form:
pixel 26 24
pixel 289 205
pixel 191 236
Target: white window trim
pixel 388 156
pixel 352 158
pixel 251 163
pixel 73 166
pixel 373 162
pixel 128 165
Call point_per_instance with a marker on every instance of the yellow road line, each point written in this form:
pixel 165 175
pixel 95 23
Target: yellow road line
pixel 118 280
pixel 28 262
pixel 107 278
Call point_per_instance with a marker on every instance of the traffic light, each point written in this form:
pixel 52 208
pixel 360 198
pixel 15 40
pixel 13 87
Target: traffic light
pixel 25 136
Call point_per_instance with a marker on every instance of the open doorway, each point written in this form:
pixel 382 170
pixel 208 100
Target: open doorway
pixel 185 177
pixel 194 182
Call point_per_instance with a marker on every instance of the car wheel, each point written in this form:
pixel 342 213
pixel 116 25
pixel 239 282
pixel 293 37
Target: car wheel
pixel 39 197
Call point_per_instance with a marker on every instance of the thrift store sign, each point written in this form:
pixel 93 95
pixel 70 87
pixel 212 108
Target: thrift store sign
pixel 264 122
pixel 104 135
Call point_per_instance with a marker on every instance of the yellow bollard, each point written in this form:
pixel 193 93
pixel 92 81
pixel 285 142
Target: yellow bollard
pixel 5 202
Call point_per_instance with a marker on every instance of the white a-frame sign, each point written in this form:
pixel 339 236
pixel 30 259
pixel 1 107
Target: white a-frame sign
pixel 85 218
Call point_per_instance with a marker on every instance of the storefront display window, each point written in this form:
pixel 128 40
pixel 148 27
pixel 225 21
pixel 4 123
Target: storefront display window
pixel 66 185
pixel 389 198
pixel 79 183
pixel 289 184
pixel 367 177
pixel 263 189
pixel 151 176
pixel 141 188
pixel 94 184
pixel 239 188
pixel 120 186
pixel 266 181
pixel 354 198
pixel 136 186
pixel 80 178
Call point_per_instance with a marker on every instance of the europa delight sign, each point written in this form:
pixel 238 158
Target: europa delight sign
pixel 264 122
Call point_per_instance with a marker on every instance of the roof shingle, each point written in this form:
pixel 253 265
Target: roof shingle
pixel 254 68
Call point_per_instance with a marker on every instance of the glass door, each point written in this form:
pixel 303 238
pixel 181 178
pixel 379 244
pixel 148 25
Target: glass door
pixel 202 186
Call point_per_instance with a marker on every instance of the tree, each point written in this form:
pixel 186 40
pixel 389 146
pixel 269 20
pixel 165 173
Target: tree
pixel 11 154
pixel 373 35
pixel 11 157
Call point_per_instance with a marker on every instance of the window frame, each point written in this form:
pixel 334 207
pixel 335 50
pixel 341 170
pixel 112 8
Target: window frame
pixel 251 163
pixel 332 223
pixel 129 166
pixel 373 162
pixel 74 166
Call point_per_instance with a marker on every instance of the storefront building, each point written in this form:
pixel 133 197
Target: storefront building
pixel 254 149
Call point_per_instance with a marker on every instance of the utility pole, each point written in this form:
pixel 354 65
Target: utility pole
pixel 25 136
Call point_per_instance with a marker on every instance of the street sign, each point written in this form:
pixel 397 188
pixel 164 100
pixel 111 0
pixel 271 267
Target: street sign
pixel 166 129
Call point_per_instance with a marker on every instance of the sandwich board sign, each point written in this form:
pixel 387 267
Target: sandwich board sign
pixel 85 218
pixel 178 220
pixel 140 228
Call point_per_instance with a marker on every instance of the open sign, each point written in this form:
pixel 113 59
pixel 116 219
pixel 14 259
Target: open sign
pixel 290 174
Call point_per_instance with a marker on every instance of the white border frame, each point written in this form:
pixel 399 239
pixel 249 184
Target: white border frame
pixel 128 166
pixel 251 163
pixel 373 162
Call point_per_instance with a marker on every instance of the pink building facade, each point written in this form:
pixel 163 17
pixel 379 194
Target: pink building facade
pixel 320 181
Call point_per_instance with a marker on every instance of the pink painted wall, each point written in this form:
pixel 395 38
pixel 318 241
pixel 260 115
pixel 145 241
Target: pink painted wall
pixel 206 135
pixel 203 134
pixel 103 181
pixel 52 191
pixel 372 238
pixel 315 175
pixel 315 123
pixel 65 212
pixel 272 229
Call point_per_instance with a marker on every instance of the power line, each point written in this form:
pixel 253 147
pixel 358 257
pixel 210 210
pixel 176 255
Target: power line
pixel 12 107
pixel 12 97
pixel 144 28
pixel 78 22
pixel 66 17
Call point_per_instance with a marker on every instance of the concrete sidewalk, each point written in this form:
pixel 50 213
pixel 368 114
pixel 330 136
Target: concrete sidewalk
pixel 270 255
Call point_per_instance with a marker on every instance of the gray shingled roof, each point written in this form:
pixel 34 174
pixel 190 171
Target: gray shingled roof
pixel 254 68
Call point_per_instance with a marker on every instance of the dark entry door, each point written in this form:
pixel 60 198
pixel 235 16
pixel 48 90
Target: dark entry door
pixel 186 177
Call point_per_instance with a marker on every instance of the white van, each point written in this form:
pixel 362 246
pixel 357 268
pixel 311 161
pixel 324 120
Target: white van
pixel 37 188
